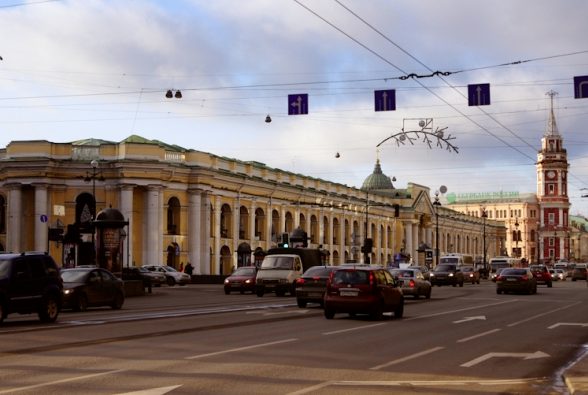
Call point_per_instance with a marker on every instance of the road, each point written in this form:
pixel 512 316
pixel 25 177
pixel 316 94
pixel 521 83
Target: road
pixel 196 340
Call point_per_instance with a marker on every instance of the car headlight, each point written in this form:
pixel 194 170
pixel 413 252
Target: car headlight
pixel 283 281
pixel 450 274
pixel 68 291
pixel 431 275
pixel 248 281
pixel 226 281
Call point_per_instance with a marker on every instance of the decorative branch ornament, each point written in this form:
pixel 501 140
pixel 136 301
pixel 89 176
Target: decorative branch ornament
pixel 429 136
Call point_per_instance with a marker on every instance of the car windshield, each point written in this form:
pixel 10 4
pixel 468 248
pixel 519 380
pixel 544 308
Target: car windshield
pixel 278 262
pixel 402 273
pixel 242 271
pixel 537 268
pixel 169 269
pixel 4 268
pixel 351 277
pixel 319 271
pixel 513 272
pixel 74 276
pixel 467 269
pixel 445 268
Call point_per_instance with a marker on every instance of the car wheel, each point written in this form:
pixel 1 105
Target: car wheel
pixel 400 309
pixel 454 285
pixel 478 282
pixel 329 314
pixel 227 292
pixel 81 303
pixel 461 283
pixel 119 299
pixel 259 294
pixel 352 315
pixel 1 311
pixel 498 291
pixel 573 279
pixel 322 304
pixel 428 295
pixel 171 281
pixel 549 285
pixel 301 303
pixel 418 294
pixel 50 309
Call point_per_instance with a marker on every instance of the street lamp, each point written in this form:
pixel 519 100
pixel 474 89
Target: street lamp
pixel 437 203
pixel 92 178
pixel 516 234
pixel 539 242
pixel 484 216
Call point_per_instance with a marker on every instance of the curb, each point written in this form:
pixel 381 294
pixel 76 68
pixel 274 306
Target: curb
pixel 576 377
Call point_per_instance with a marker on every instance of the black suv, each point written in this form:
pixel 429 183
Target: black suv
pixel 30 283
pixel 446 274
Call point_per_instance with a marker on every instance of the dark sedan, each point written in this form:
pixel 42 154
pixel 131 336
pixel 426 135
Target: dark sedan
pixel 470 274
pixel 242 280
pixel 579 273
pixel 140 273
pixel 83 288
pixel 446 274
pixel 311 287
pixel 516 280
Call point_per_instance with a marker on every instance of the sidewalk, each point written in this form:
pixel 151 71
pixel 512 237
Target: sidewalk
pixel 576 377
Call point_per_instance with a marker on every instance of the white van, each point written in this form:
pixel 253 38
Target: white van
pixel 457 259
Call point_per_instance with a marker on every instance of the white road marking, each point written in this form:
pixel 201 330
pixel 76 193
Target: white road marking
pixel 566 323
pixel 456 311
pixel 525 356
pixel 420 354
pixel 352 329
pixel 541 315
pixel 281 312
pixel 60 381
pixel 240 349
pixel 418 383
pixel 479 335
pixel 154 391
pixel 467 319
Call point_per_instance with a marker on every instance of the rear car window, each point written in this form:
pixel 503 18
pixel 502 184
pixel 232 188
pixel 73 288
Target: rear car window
pixel 445 268
pixel 318 271
pixel 514 272
pixel 403 273
pixel 351 277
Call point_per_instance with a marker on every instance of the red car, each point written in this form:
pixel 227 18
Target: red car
pixel 242 279
pixel 363 290
pixel 541 274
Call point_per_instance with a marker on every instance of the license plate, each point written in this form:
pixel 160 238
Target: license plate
pixel 315 294
pixel 270 285
pixel 348 293
pixel 511 279
pixel 235 285
pixel 441 277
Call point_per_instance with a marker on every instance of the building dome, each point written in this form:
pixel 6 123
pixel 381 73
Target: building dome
pixel 377 180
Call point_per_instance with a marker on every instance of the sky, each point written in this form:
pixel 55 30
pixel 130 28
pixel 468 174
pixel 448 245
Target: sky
pixel 78 69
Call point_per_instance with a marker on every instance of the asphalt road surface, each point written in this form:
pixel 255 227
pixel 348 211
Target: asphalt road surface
pixel 196 340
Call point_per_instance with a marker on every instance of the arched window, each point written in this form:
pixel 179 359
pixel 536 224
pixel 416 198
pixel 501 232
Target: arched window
pixel 173 216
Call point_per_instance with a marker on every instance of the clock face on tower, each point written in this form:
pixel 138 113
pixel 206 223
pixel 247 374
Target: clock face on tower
pixel 550 174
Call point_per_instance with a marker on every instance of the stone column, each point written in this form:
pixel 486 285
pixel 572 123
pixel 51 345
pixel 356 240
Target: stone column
pixel 205 225
pixel 321 225
pixel 41 208
pixel 126 209
pixel 342 247
pixel 152 229
pixel 162 248
pixel 194 228
pixel 236 230
pixel 331 235
pixel 252 224
pixel 13 233
pixel 269 221
pixel 217 234
pixel 409 236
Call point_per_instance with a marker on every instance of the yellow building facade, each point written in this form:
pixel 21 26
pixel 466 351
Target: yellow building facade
pixel 185 205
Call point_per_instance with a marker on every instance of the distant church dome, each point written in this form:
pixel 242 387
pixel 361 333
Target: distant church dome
pixel 377 180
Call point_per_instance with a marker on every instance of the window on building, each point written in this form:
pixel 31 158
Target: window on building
pixel 532 235
pixel 551 189
pixel 551 242
pixel 551 218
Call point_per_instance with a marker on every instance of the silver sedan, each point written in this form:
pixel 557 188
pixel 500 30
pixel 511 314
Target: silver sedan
pixel 172 275
pixel 412 282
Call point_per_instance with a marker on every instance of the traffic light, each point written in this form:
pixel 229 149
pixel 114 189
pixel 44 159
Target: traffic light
pixel 369 244
pixel 286 240
pixel 305 240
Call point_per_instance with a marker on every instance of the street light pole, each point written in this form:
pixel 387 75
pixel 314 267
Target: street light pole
pixel 92 178
pixel 484 216
pixel 516 234
pixel 437 203
pixel 539 242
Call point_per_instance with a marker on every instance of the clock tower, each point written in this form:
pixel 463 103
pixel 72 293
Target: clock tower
pixel 552 194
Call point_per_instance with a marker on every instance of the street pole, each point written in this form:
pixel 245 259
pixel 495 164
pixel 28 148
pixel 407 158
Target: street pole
pixel 436 203
pixel 365 252
pixel 484 215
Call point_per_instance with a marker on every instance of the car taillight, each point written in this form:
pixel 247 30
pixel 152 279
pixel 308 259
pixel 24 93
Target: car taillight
pixel 524 278
pixel 400 275
pixel 316 278
pixel 372 279
pixel 411 283
pixel 499 278
pixel 300 281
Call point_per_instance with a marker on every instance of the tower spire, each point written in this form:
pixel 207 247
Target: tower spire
pixel 551 125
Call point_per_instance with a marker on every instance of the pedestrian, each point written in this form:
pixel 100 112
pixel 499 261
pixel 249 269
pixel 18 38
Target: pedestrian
pixel 181 267
pixel 189 269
